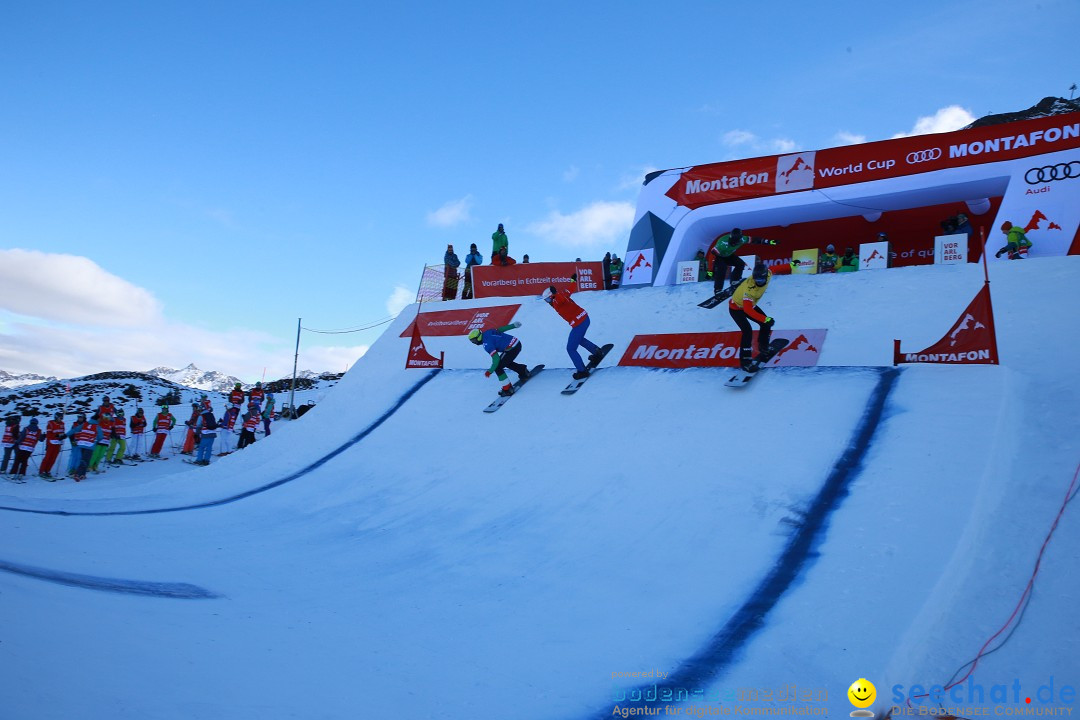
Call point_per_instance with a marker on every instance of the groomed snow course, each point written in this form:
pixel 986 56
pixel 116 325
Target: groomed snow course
pixel 399 553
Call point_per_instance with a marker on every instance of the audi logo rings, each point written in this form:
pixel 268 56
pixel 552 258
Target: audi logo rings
pixel 1048 173
pixel 919 156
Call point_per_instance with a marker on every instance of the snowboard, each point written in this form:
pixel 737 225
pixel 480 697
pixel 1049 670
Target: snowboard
pixel 719 297
pixel 742 378
pixel 576 385
pixel 501 399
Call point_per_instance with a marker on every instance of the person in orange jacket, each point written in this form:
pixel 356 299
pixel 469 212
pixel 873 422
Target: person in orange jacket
pixel 571 312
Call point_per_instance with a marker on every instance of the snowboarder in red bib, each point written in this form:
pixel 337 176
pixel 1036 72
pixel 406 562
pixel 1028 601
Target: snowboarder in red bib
pixel 743 308
pixel 54 441
pixel 163 424
pixel 251 421
pixel 503 350
pixel 24 447
pixel 572 313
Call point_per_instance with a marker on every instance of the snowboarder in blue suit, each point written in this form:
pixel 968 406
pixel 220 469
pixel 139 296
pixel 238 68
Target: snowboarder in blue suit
pixel 503 349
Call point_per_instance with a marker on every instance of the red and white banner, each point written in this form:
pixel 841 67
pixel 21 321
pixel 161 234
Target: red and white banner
pixel 418 356
pixel 757 177
pixel 718 349
pixel 461 322
pixel 533 278
pixel 971 340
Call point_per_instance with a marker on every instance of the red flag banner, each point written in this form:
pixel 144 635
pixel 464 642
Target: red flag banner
pixel 971 340
pixel 419 357
pixel 461 322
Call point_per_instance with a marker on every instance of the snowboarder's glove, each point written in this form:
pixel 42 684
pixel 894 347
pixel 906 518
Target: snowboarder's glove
pixel 515 324
pixel 769 322
pixel 487 373
pixel 998 253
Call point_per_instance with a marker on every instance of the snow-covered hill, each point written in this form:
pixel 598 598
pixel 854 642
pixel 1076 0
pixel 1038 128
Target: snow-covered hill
pixel 399 553
pixel 10 380
pixel 130 390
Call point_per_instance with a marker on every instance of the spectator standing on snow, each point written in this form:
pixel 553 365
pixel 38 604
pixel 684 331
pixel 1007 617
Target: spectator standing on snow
pixel 236 400
pixel 206 429
pixel 473 258
pixel 164 422
pixel 85 440
pixel 451 263
pixel 118 441
pixel 606 267
pixel 189 435
pixel 138 428
pixel 499 244
pixel 24 447
pixel 104 437
pixel 251 421
pixel 257 394
pixel 616 270
pixel 54 441
pixel 224 433
pixel 11 434
pixel 268 413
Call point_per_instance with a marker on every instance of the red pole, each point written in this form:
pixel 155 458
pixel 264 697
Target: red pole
pixel 986 270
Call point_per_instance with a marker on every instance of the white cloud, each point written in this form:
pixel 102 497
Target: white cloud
pixel 600 223
pixel 846 138
pixel 452 213
pixel 71 289
pixel 946 119
pixel 782 145
pixel 633 180
pixel 401 298
pixel 64 315
pixel 738 137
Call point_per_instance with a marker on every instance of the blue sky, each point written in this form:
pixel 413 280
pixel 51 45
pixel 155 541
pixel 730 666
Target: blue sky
pixel 181 181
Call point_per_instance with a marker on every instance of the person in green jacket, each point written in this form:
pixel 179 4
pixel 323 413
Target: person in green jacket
pixel 499 241
pixel 722 256
pixel 850 261
pixel 1016 242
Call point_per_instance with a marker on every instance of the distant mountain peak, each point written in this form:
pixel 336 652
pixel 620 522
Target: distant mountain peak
pixel 1044 108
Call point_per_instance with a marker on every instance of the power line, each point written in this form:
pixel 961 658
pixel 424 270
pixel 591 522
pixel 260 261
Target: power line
pixel 343 331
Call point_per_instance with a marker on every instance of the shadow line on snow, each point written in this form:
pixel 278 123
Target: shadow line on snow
pixel 174 590
pixel 254 491
pixel 713 659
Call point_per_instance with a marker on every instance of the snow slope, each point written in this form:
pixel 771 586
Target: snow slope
pixel 398 553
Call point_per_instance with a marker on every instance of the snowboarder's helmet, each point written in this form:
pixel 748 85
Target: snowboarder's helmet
pixel 59 416
pixel 830 248
pixel 475 336
pixel 119 412
pixel 736 233
pixel 761 274
pixel 33 421
pixel 1006 226
pixel 549 294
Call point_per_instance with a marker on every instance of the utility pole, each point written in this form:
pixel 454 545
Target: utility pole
pixel 296 358
pixel 1072 89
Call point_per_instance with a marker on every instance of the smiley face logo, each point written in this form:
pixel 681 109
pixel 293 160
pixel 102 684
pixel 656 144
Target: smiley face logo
pixel 862 693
